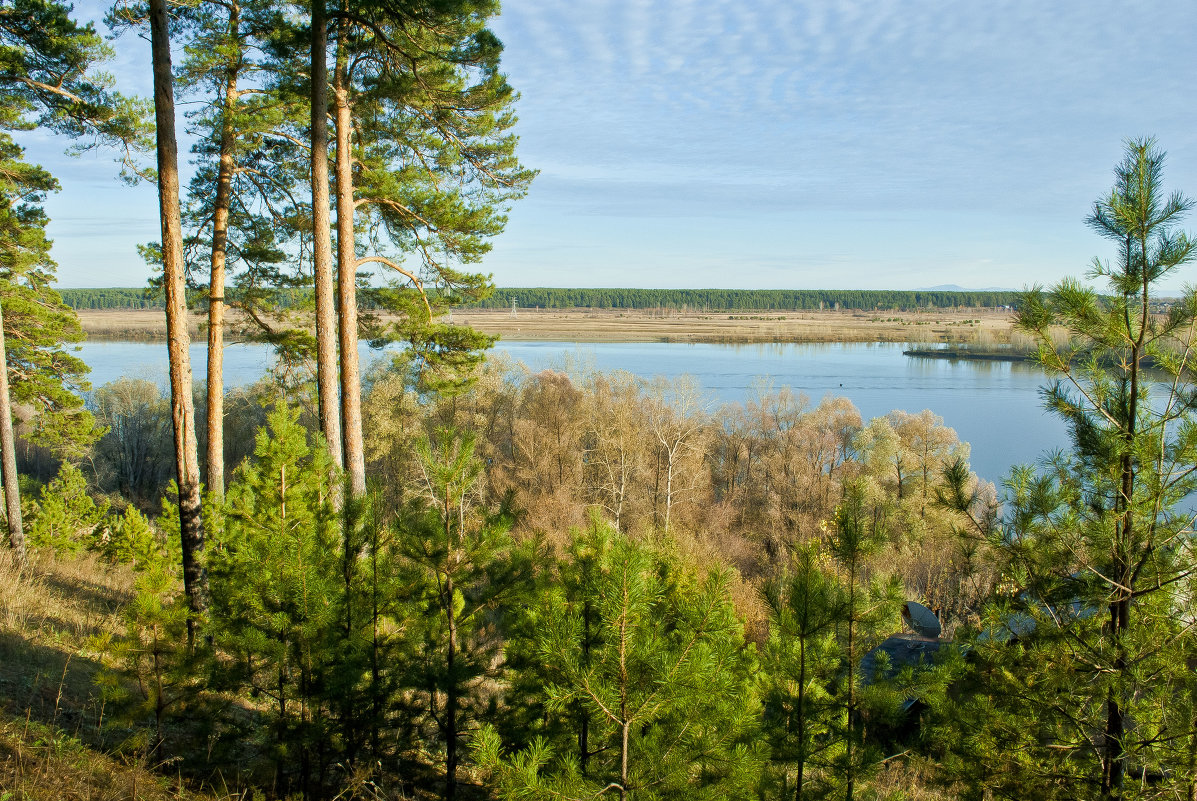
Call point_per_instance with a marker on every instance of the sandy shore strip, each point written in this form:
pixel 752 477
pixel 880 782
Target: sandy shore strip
pixel 981 326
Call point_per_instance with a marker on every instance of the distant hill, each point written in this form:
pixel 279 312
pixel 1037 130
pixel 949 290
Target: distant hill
pixel 958 288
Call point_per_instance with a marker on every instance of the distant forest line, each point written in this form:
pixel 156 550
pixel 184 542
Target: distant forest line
pixel 625 298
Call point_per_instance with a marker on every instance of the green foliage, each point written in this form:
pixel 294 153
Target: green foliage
pixel 737 299
pixel 801 662
pixel 123 298
pixel 154 675
pixel 443 359
pixel 1087 655
pixel 46 81
pixel 65 517
pixel 617 298
pixel 131 539
pixel 245 101
pixel 43 374
pixel 434 168
pixel 45 58
pixel 649 684
pixel 457 567
pixel 275 577
pixel 869 614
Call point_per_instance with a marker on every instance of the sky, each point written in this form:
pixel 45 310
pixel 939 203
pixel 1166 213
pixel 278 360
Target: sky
pixel 889 144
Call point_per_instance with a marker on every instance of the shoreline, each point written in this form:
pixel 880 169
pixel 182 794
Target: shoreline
pixel 958 327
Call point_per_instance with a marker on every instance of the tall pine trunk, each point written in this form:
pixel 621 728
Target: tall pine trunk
pixel 351 385
pixel 1114 769
pixel 451 699
pixel 195 579
pixel 8 457
pixel 322 260
pixel 625 722
pixel 801 714
pixel 584 727
pixel 850 740
pixel 220 236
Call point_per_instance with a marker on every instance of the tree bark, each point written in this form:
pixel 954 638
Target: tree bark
pixel 351 385
pixel 220 236
pixel 8 457
pixel 322 260
pixel 195 579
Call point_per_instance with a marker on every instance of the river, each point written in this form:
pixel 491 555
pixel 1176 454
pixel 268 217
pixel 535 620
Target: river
pixel 994 406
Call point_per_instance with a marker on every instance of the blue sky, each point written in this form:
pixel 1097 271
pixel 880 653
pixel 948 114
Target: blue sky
pixel 821 144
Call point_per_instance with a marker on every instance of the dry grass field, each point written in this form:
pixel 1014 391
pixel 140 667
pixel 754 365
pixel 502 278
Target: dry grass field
pixel 52 745
pixel 972 326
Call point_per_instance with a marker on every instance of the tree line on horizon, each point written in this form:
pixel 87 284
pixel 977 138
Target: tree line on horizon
pixel 744 299
pixel 610 298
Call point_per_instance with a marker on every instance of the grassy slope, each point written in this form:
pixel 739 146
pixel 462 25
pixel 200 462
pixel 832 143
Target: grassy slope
pixel 51 743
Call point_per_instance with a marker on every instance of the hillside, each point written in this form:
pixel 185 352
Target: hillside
pixel 52 743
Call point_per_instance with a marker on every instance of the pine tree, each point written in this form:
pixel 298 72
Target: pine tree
pixel 152 671
pixel 65 517
pixel 276 579
pixel 130 539
pixel 649 660
pixel 1097 555
pixel 460 566
pixel 424 166
pixel 869 614
pixel 230 48
pixel 34 324
pixel 45 58
pixel 239 192
pixel 801 661
pixel 37 323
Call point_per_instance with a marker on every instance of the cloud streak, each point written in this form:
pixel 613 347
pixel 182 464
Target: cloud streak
pixel 904 142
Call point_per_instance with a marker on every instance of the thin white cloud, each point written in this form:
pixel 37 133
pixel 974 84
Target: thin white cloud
pixel 1007 113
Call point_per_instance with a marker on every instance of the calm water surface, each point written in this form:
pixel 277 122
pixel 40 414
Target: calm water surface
pixel 995 406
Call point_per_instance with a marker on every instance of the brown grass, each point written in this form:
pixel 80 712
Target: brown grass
pixel 49 613
pixel 974 326
pixel 52 745
pixel 906 780
pixel 41 762
pixel 130 324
